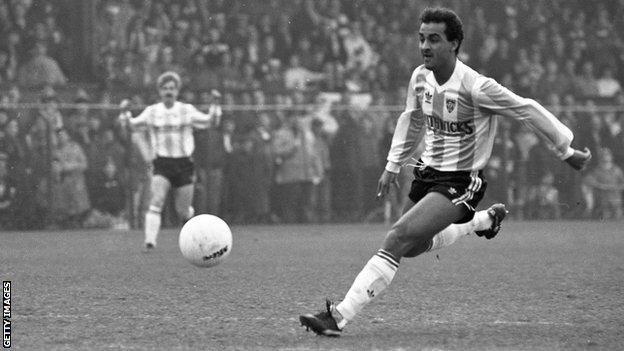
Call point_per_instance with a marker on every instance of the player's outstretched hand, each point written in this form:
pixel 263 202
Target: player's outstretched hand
pixel 124 105
pixel 124 114
pixel 386 180
pixel 579 159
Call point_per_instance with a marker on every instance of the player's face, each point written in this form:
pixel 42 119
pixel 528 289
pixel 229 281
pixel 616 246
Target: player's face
pixel 168 92
pixel 435 48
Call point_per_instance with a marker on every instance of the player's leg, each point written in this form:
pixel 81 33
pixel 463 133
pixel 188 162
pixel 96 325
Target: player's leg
pixel 485 220
pixel 159 188
pixel 184 184
pixel 438 205
pixel 183 199
pixel 200 196
pixel 419 224
pixel 214 191
pixel 415 228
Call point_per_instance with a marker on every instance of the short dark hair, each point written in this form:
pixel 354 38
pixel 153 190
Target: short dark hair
pixel 454 28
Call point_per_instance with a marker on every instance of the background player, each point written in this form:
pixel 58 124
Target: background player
pixel 452 107
pixel 170 126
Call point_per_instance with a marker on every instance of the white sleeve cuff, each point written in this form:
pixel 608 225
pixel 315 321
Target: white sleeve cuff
pixel 393 167
pixel 569 152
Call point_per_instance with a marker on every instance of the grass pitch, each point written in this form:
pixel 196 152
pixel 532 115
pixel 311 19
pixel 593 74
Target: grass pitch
pixel 537 286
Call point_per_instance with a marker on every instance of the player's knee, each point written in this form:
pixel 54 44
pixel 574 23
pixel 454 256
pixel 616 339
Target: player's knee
pixel 418 249
pixel 185 212
pixel 404 241
pixel 397 241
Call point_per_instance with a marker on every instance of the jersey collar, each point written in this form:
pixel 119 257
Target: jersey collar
pixel 459 67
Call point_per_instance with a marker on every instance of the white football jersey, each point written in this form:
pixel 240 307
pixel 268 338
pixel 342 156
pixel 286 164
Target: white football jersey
pixel 458 121
pixel 171 129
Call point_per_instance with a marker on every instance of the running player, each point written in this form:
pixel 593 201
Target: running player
pixel 453 108
pixel 170 126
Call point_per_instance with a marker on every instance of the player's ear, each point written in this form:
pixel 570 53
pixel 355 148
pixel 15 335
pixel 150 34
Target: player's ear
pixel 454 45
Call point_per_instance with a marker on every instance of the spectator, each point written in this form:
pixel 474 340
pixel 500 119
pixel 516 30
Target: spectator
pixel 114 21
pixel 38 140
pixel 297 77
pixel 241 193
pixel 102 148
pixel 359 52
pixel 230 173
pixel 109 192
pixel 41 69
pixel 514 42
pixel 70 165
pixel 166 62
pixel 594 131
pixel 14 147
pixel 322 111
pixel 8 64
pixel 525 140
pixel 229 74
pixel 547 198
pixel 130 70
pixel 138 160
pixel 607 85
pixel 321 196
pixel 369 163
pixel 248 79
pixel 261 167
pixel 273 80
pixel 587 83
pixel 295 169
pixel 7 195
pixel 109 72
pixel 346 172
pixel 201 76
pixel 214 48
pixel 551 82
pixel 603 188
pixel 210 158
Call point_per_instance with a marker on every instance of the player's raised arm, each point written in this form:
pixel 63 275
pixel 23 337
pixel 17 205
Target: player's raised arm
pixel 494 97
pixel 408 133
pixel 125 116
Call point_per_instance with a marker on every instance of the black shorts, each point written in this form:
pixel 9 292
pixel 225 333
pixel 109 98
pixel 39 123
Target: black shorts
pixel 179 171
pixel 461 187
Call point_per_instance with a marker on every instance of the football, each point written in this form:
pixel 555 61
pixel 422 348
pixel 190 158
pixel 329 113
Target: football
pixel 205 240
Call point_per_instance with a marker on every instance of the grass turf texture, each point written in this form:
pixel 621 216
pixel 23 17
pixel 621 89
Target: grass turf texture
pixel 538 285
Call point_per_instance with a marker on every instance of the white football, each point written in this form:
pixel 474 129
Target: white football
pixel 205 240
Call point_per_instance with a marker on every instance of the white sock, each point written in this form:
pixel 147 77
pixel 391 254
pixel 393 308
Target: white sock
pixel 152 225
pixel 450 234
pixel 372 280
pixel 481 220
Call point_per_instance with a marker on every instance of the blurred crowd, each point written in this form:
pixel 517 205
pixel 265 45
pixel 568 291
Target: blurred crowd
pixel 331 65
